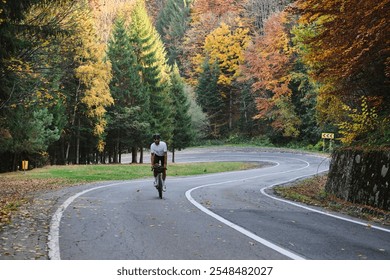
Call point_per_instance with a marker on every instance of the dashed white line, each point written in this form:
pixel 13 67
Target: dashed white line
pixel 54 250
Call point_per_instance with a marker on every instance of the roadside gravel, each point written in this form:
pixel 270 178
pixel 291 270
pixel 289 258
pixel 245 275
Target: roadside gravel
pixel 26 237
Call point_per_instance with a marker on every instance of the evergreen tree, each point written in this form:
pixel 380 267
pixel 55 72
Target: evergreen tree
pixel 151 57
pixel 172 23
pixel 30 133
pixel 182 131
pixel 210 99
pixel 304 99
pixel 247 124
pixel 29 72
pixel 128 122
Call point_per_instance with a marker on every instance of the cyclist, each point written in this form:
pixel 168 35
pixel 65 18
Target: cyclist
pixel 159 155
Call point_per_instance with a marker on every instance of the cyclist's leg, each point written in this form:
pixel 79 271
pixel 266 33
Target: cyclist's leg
pixel 156 161
pixel 164 175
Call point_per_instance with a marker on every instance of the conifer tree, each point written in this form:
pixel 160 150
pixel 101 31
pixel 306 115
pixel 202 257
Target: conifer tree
pixel 151 57
pixel 210 99
pixel 172 23
pixel 182 130
pixel 128 117
pixel 29 30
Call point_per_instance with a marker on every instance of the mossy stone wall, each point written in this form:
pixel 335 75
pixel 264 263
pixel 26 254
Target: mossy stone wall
pixel 361 176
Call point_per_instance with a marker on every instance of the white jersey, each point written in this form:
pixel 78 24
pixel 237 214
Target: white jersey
pixel 159 149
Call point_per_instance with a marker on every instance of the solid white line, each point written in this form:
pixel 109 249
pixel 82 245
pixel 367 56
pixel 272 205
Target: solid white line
pixel 54 243
pixel 252 235
pixel 239 228
pixel 315 210
pixel 54 232
pixel 54 250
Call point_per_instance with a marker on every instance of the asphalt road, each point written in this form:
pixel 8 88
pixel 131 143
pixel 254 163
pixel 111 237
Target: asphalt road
pixel 231 215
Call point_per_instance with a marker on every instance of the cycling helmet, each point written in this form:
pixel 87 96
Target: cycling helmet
pixel 156 136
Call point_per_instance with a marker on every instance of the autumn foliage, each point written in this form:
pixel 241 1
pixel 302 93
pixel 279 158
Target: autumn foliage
pixel 352 34
pixel 348 52
pixel 269 62
pixel 218 8
pixel 285 73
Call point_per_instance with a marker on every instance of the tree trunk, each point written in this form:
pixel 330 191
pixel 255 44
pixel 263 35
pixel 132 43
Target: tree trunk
pixel 141 155
pixel 230 110
pixel 78 142
pixel 119 153
pixel 73 119
pixel 133 154
pixel 245 113
pixel 15 162
pixel 115 152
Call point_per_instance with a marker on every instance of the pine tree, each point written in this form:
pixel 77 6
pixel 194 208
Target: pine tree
pixel 29 74
pixel 151 56
pixel 128 122
pixel 182 130
pixel 210 99
pixel 172 23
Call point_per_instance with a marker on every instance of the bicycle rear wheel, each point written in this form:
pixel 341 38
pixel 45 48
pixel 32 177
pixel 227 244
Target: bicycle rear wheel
pixel 160 186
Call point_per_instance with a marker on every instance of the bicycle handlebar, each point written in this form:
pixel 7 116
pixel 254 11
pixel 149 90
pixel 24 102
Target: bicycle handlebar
pixel 159 168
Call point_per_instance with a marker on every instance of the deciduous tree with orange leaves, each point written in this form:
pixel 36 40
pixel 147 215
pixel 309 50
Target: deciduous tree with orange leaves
pixel 269 65
pixel 348 52
pixel 217 7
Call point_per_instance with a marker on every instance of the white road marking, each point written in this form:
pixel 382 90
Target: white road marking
pixel 54 235
pixel 54 232
pixel 315 210
pixel 252 235
pixel 239 228
pixel 54 250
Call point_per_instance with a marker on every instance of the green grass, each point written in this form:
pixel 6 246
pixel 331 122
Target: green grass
pixel 16 187
pixel 107 172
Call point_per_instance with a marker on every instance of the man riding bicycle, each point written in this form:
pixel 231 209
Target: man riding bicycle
pixel 159 155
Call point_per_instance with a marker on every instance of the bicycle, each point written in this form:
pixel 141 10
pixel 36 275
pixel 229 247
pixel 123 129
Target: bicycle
pixel 159 169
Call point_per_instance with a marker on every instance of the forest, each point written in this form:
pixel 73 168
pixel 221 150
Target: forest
pixel 84 81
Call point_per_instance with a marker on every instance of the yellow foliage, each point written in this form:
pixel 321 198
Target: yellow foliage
pixel 286 120
pixel 359 122
pixel 329 107
pixel 100 145
pixel 226 47
pixel 93 72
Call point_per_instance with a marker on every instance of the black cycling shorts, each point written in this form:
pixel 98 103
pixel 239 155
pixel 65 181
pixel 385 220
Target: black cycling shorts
pixel 159 159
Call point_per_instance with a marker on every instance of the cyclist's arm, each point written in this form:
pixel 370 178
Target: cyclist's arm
pixel 152 159
pixel 165 159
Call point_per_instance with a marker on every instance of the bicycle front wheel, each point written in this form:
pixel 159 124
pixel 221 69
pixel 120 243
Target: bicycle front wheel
pixel 160 186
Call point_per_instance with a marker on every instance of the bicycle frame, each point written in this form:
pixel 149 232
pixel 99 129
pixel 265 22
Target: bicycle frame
pixel 159 169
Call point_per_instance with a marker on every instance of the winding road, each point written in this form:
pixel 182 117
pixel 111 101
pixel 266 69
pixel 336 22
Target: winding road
pixel 230 215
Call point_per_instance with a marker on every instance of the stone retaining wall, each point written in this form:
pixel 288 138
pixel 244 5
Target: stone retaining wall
pixel 361 176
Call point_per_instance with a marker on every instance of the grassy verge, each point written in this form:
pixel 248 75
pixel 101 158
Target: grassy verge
pixel 312 192
pixel 16 187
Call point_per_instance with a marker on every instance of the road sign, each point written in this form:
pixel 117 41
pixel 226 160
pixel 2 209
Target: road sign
pixel 327 135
